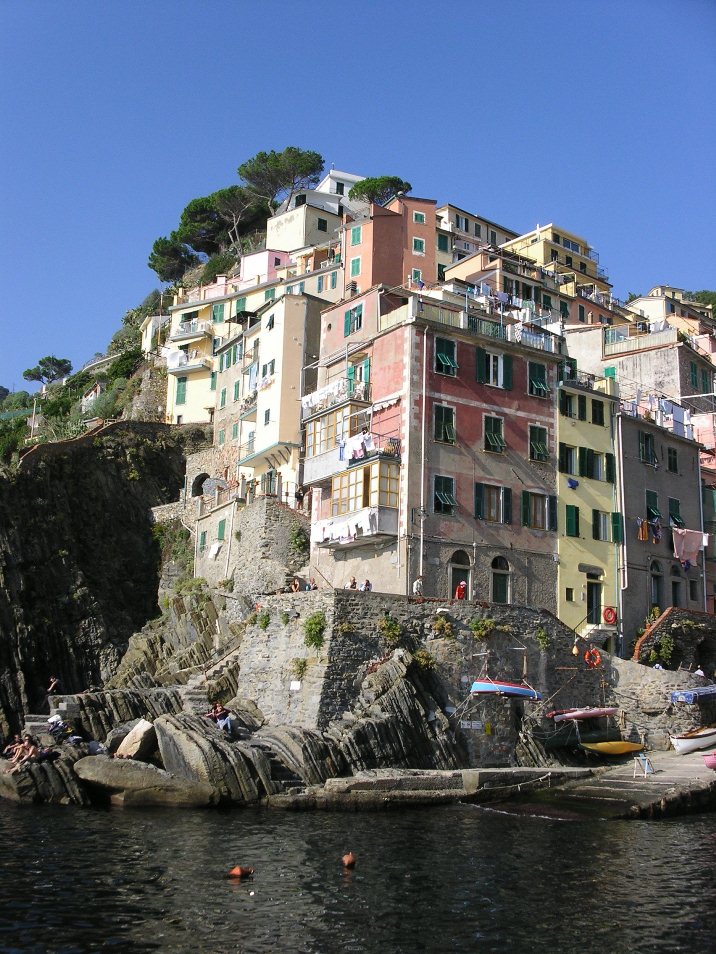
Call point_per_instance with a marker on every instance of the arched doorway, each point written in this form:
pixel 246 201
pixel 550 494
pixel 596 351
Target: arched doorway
pixel 676 586
pixel 500 582
pixel 656 585
pixel 459 570
pixel 197 487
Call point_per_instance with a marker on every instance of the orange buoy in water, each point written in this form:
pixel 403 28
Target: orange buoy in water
pixel 349 860
pixel 241 872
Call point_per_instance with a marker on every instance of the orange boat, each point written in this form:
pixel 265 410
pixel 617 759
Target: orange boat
pixel 613 748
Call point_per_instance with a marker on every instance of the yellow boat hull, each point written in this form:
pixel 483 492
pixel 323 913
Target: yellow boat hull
pixel 613 748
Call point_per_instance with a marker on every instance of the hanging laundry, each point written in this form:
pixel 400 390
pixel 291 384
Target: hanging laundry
pixel 642 532
pixel 687 544
pixel 655 531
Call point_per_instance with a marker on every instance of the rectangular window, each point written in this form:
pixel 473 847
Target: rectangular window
pixel 494 439
pixel 672 460
pixel 441 273
pixel 647 448
pixel 269 294
pixel 320 284
pixel 694 591
pixel 352 320
pixel 539 448
pixel 322 225
pixel 569 594
pixel 355 267
pixel 444 424
pixel 694 374
pixel 675 518
pixel 494 369
pixel 493 504
pixel 705 382
pixel 443 243
pixel 241 304
pixel 444 495
pixel 234 432
pixel 356 232
pixel 478 230
pixel 202 541
pixel 566 404
pixel 582 407
pixel 546 302
pixel 267 416
pixel 340 188
pixel 600 525
pixel 418 246
pixel 334 279
pixel 539 512
pixel 376 485
pixel 446 356
pixel 598 413
pixel 212 385
pixel 580 313
pixel 419 218
pixel 493 237
pixel 222 437
pixel 567 459
pixel 181 391
pixel 537 374
pixel 417 275
pixel 462 223
pixel 222 398
pixel 237 387
pixel 652 505
pixel 270 323
pixel 217 312
pixel 572 521
pixel 221 530
pixel 617 528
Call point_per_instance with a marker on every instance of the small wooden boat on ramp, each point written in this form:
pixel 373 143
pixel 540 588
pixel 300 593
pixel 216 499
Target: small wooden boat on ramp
pixel 496 687
pixel 701 738
pixel 622 747
pixel 589 712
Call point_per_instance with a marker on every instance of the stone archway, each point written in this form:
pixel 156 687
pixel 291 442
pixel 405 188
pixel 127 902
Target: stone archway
pixel 459 569
pixel 197 487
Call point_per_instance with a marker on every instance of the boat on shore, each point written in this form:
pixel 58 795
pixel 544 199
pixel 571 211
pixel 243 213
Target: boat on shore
pixel 589 712
pixel 493 687
pixel 710 760
pixel 700 738
pixel 622 747
pixel 569 735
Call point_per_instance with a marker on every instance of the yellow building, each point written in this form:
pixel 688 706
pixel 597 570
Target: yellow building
pixel 590 527
pixel 563 253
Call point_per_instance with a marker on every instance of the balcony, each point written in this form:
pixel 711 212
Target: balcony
pixel 192 330
pixel 624 339
pixel 247 408
pixel 356 529
pixel 182 363
pixel 358 449
pixel 333 394
pixel 247 450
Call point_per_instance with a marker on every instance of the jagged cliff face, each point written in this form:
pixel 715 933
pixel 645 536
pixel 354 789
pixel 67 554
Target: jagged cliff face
pixel 78 564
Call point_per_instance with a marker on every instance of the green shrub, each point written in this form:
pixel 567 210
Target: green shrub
pixel 299 540
pixel 284 617
pixel 481 628
pixel 174 542
pixel 442 627
pixel 390 629
pixel 251 619
pixel 424 660
pixel 263 619
pixel 313 628
pixel 299 665
pixel 345 629
pixel 543 639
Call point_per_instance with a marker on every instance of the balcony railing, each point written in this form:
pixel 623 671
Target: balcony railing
pixel 247 450
pixel 337 392
pixel 356 450
pixel 187 329
pixel 248 405
pixel 355 529
pixel 622 339
pixel 182 363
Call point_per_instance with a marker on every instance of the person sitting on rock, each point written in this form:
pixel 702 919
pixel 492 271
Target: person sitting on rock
pixel 11 748
pixel 366 586
pixel 312 585
pixel 351 584
pixel 295 585
pixel 29 750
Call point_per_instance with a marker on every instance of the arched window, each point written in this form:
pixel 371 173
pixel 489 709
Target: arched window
pixel 500 580
pixel 656 584
pixel 459 571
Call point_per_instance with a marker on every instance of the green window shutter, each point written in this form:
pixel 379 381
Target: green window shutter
pixel 236 390
pixel 507 372
pixel 610 372
pixel 241 303
pixel 222 398
pixel 366 371
pixel 694 375
pixel 479 488
pixel 583 462
pixel 270 294
pixel 705 384
pixel 563 402
pixel 181 391
pixel 480 367
pixel 217 313
pixel 222 437
pixel 334 279
pixel 595 525
pixel 642 445
pixel 221 530
pixel 525 508
pixel 572 528
pixel 617 528
pixel 562 458
pixel 506 505
pixel 202 540
pixel 611 470
pixel 213 381
pixel 552 513
pixel 652 505
pixel 351 375
pixel 582 407
pixel 590 462
pixel 234 431
pixel 347 323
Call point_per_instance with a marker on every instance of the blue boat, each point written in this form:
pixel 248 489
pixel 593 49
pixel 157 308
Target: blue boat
pixel 491 687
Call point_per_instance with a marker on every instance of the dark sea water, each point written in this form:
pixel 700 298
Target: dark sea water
pixel 450 879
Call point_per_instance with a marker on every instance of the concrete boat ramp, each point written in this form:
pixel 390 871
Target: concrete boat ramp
pixel 678 784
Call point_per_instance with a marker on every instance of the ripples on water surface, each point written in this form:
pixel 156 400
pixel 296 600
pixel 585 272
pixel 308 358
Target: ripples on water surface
pixel 449 879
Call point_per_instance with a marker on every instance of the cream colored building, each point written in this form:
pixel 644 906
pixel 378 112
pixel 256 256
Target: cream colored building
pixel 564 254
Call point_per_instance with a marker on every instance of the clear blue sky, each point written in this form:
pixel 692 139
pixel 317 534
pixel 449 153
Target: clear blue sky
pixel 598 115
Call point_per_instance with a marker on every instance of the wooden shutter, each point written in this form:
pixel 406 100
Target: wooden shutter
pixel 583 462
pixel 563 402
pixel 562 458
pixel 347 323
pixel 595 525
pixel 480 366
pixel 506 505
pixel 552 513
pixel 617 528
pixel 611 476
pixel 582 407
pixel 366 371
pixel 525 508
pixel 572 528
pixel 507 372
pixel 479 496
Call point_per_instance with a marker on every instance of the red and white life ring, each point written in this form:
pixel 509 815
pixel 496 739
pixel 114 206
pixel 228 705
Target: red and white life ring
pixel 609 615
pixel 592 658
